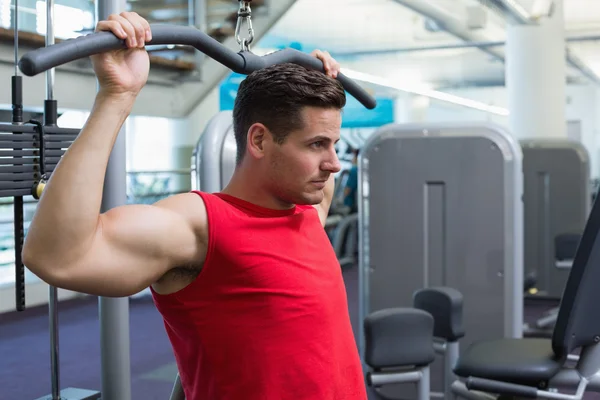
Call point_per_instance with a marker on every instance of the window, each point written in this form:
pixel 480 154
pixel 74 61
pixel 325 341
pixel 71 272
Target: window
pixel 5 17
pixel 68 21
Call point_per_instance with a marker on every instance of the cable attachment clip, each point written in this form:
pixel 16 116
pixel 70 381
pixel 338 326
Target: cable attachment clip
pixel 244 15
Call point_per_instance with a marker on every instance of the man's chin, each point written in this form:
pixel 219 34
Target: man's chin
pixel 310 199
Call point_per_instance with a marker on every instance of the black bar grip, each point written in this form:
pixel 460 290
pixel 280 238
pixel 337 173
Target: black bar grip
pixel 50 112
pixel 17 99
pixel 45 58
pixel 497 387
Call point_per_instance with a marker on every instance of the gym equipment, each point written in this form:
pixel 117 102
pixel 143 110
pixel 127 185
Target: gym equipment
pixel 345 240
pixel 400 343
pixel 18 218
pixel 556 196
pixel 244 62
pixel 213 158
pixel 446 306
pixel 391 348
pixel 27 156
pixel 537 368
pixel 28 153
pixel 177 391
pixel 440 205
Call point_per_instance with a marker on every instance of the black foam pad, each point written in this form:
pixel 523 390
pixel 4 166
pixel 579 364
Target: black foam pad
pixel 398 337
pixel 446 306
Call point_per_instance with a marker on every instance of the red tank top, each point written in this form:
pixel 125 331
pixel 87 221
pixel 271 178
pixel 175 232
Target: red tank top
pixel 267 318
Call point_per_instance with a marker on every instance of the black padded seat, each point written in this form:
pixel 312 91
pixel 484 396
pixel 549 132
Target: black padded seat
pixel 528 362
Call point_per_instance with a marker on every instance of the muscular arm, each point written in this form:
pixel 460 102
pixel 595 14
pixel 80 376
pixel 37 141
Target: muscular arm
pixel 323 207
pixel 70 244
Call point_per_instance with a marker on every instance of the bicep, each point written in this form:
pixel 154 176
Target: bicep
pixel 134 246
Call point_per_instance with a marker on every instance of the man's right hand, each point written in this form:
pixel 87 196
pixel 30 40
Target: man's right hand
pixel 124 71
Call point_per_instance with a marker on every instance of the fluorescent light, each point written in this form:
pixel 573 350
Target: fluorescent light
pixel 424 91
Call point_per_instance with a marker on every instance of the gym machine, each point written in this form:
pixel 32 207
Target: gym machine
pixel 440 205
pixel 537 367
pixel 29 152
pixel 556 197
pixel 395 354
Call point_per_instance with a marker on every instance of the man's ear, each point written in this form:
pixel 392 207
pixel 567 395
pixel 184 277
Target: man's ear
pixel 258 135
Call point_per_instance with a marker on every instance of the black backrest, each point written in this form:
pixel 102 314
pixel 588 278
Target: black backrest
pixel 565 245
pixel 445 304
pixel 578 322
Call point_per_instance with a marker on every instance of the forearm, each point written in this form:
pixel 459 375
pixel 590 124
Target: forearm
pixel 329 189
pixel 67 214
pixel 327 197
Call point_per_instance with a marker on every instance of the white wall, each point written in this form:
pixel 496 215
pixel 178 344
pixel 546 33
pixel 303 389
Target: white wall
pixel 582 105
pixel 197 120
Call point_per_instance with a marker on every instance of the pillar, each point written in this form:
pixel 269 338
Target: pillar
pixel 114 312
pixel 536 77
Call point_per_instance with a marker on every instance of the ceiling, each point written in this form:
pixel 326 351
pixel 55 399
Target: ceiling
pixel 380 37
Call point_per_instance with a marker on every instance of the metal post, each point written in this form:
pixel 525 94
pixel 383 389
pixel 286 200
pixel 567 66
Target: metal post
pixel 423 385
pixel 114 312
pixel 50 42
pixel 53 291
pixel 177 392
pixel 450 358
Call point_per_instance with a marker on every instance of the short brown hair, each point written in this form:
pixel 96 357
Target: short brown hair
pixel 275 97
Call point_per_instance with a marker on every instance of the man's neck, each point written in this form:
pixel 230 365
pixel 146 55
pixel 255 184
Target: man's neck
pixel 245 186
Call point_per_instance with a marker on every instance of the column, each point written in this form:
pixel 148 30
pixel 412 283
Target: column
pixel 114 312
pixel 536 77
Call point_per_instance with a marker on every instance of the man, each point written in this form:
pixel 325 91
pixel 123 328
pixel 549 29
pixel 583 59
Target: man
pixel 247 283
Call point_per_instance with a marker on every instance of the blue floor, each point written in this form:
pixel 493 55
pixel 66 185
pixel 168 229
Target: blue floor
pixel 25 351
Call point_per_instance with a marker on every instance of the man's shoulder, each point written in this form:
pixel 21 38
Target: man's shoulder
pixel 189 205
pixel 179 200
